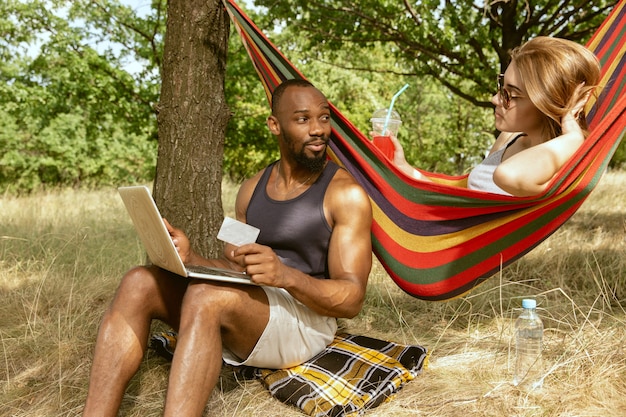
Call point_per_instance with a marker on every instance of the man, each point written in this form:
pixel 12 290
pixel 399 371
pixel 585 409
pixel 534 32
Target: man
pixel 311 262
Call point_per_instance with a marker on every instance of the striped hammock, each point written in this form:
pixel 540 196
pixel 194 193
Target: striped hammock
pixel 439 240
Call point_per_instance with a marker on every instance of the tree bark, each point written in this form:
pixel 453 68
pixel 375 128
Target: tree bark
pixel 192 118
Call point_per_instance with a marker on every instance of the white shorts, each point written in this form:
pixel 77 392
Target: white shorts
pixel 293 334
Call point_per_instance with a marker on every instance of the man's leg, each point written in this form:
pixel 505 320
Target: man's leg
pixel 143 294
pixel 212 315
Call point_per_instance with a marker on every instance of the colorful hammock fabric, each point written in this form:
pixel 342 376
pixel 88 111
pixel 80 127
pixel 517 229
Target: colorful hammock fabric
pixel 439 240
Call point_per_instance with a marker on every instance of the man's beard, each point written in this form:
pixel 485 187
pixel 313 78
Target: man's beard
pixel 313 164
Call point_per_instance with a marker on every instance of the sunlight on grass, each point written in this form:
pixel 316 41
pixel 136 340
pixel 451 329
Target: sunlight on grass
pixel 62 254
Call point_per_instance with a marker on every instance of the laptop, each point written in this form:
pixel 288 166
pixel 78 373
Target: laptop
pixel 156 239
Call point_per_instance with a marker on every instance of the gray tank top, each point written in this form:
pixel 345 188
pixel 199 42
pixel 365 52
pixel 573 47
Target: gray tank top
pixel 296 229
pixel 481 177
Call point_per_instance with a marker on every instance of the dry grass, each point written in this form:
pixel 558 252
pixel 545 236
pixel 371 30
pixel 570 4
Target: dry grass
pixel 61 256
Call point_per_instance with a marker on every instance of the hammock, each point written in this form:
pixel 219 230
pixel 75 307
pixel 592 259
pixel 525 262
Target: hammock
pixel 439 240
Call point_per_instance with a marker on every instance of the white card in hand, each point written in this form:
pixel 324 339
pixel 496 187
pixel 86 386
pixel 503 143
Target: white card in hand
pixel 237 233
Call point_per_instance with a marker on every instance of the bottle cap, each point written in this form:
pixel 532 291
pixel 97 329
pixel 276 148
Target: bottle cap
pixel 529 303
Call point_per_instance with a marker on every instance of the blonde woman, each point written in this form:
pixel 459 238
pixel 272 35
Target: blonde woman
pixel 539 112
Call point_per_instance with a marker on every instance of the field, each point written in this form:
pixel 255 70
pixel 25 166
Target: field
pixel 62 254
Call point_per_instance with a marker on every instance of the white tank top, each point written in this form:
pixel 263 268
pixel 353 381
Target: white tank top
pixel 481 177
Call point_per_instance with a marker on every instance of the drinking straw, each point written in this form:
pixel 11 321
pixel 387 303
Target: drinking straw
pixel 393 100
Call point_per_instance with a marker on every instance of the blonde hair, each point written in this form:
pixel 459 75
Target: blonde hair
pixel 551 69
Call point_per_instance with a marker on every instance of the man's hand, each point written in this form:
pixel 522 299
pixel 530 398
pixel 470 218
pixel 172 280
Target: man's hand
pixel 261 264
pixel 181 242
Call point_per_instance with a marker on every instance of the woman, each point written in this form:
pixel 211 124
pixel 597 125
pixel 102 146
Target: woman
pixel 539 110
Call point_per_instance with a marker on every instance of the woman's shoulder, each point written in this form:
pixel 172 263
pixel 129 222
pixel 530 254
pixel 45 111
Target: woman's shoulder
pixel 504 139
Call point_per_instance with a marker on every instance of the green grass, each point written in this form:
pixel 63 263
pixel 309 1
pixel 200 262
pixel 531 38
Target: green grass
pixel 62 254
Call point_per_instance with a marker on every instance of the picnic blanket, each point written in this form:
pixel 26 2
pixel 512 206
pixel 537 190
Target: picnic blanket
pixel 353 374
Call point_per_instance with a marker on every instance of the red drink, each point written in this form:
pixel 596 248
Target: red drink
pixel 385 145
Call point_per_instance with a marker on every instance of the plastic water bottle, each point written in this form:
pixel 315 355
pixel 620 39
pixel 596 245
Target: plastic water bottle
pixel 528 346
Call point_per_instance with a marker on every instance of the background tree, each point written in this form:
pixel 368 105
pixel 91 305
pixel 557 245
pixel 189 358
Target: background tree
pixel 192 117
pixel 79 116
pixel 98 64
pixel 463 44
pixel 448 51
pixel 79 80
pixel 248 145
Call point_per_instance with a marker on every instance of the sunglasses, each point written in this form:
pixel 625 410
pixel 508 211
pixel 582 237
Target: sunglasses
pixel 503 93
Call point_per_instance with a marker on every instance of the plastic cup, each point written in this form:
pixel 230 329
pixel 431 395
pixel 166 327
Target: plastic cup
pixel 385 145
pixel 381 139
pixel 378 123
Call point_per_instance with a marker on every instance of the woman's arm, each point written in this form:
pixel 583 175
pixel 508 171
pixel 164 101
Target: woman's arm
pixel 529 172
pixel 400 162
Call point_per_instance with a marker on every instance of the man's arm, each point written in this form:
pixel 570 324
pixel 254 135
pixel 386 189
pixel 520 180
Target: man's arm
pixel 348 210
pixel 190 257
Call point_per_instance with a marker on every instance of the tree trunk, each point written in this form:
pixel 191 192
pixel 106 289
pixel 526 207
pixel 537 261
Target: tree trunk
pixel 192 118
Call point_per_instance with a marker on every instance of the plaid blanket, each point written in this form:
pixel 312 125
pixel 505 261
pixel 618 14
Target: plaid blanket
pixel 353 374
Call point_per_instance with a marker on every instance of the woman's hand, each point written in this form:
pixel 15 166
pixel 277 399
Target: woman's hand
pixel 569 122
pixel 399 160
